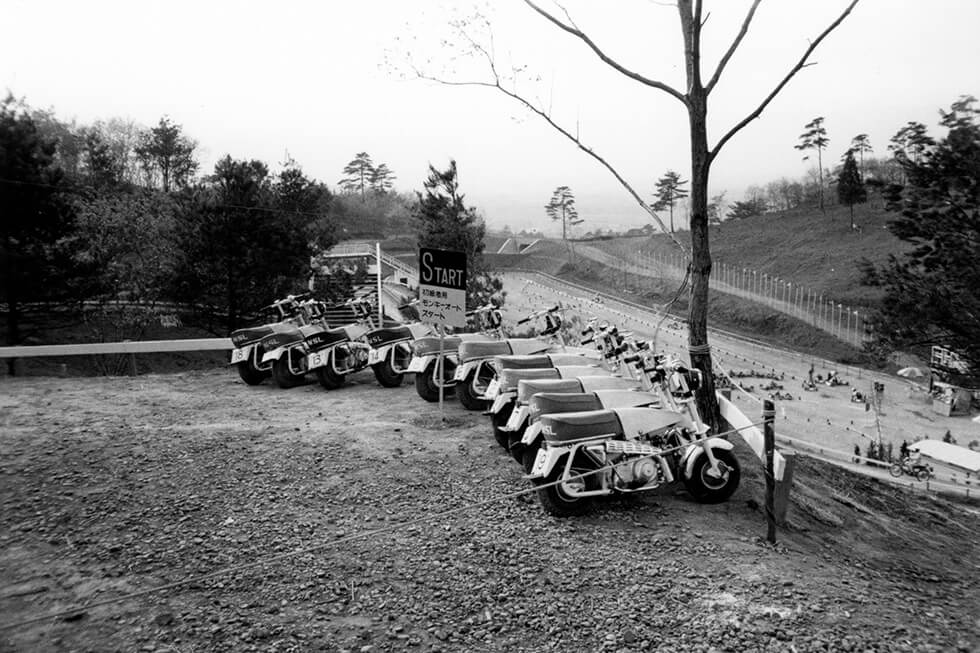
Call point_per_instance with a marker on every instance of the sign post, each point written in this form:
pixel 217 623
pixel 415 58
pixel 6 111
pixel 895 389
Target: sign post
pixel 442 296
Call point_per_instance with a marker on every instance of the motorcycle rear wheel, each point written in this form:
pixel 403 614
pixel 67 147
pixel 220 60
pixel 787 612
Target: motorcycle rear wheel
pixel 387 376
pixel 250 374
pixel 328 378
pixel 555 501
pixel 922 474
pixel 425 385
pixel 464 390
pixel 708 489
pixel 895 470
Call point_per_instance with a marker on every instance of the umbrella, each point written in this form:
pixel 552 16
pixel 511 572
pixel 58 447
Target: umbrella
pixel 911 372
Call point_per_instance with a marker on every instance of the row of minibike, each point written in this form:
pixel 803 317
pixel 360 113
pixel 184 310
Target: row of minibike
pixel 610 416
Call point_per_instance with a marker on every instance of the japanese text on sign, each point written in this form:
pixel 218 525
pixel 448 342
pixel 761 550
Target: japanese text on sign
pixel 442 287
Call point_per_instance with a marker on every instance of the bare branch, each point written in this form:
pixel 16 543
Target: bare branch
pixel 799 66
pixel 574 31
pixel 572 137
pixel 734 46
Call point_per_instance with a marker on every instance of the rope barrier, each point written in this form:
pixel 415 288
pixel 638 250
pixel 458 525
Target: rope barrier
pixel 344 540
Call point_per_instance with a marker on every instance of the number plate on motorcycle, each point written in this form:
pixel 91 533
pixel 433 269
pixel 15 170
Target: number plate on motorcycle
pixel 460 373
pixel 240 355
pixel 516 419
pixel 493 389
pixel 373 357
pixel 417 365
pixel 316 360
pixel 539 462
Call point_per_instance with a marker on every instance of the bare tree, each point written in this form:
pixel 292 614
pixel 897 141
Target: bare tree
pixel 695 100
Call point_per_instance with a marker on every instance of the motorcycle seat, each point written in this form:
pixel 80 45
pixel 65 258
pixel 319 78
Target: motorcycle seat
pixel 510 378
pixel 527 388
pixel 574 371
pixel 242 337
pixel 476 349
pixel 545 403
pixel 326 338
pixel 574 426
pixel 384 336
pixel 281 339
pixel 429 345
pixel 615 398
pixel 522 362
pixel 594 382
pixel 527 346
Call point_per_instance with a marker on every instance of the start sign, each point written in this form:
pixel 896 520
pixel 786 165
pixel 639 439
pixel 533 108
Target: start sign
pixel 442 287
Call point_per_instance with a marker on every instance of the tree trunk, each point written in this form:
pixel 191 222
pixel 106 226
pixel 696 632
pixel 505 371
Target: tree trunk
pixel 697 335
pixel 13 308
pixel 820 176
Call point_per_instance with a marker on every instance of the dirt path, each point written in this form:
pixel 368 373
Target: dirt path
pixel 116 485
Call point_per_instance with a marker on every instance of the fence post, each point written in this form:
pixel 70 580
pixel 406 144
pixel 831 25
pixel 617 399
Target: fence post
pixel 769 435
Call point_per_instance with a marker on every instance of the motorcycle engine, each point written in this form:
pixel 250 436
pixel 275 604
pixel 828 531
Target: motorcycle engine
pixel 360 356
pixel 637 474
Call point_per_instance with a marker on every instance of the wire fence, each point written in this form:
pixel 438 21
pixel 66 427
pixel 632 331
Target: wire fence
pixel 846 323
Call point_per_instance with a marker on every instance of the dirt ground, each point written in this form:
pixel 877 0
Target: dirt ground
pixel 275 520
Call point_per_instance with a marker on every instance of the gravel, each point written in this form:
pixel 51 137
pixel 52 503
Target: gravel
pixel 199 473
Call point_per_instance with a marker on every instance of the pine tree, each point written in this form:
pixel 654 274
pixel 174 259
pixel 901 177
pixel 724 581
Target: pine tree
pixel 35 220
pixel 445 222
pixel 850 188
pixel 358 174
pixel 815 138
pixel 165 151
pixel 932 292
pixel 561 207
pixel 669 190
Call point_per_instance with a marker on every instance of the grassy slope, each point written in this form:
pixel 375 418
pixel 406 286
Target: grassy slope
pixel 802 246
pixel 817 250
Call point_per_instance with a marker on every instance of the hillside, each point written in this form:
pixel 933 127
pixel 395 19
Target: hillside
pixel 819 251
pixel 802 246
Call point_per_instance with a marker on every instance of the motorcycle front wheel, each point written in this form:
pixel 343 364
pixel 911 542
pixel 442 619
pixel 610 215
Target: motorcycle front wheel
pixel 555 500
pixel 283 375
pixel 250 374
pixel 328 378
pixel 426 387
pixel 706 488
pixel 499 420
pixel 895 470
pixel 922 474
pixel 464 390
pixel 528 455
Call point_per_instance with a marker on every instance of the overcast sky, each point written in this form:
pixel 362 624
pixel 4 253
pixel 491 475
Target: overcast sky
pixel 325 79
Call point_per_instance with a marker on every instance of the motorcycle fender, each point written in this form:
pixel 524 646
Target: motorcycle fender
pixel 502 400
pixel 463 371
pixel 273 355
pixel 419 363
pixel 375 356
pixel 532 433
pixel 546 460
pixel 696 451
